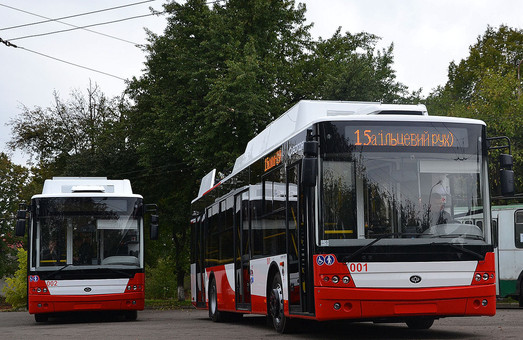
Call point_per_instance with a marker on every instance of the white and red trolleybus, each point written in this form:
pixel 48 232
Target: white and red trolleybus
pixel 348 210
pixel 85 247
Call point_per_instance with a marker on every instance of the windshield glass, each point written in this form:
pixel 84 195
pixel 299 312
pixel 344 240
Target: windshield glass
pixel 87 232
pixel 378 183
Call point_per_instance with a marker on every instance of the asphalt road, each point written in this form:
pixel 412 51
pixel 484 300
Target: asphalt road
pixel 194 324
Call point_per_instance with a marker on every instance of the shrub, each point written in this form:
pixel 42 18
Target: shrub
pixel 16 288
pixel 160 281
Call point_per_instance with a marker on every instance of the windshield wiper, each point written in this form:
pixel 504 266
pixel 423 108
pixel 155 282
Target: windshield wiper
pixel 367 246
pixel 469 236
pixel 59 270
pixel 460 248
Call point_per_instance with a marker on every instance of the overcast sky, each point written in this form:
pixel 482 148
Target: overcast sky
pixel 427 36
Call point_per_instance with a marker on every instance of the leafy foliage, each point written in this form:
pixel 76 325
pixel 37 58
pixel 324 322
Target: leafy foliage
pixel 13 182
pixel 16 289
pixel 83 136
pixel 485 86
pixel 160 283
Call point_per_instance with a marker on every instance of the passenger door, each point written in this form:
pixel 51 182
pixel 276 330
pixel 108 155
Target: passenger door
pixel 242 251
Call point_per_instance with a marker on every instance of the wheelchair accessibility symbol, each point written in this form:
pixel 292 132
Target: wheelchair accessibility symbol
pixel 320 260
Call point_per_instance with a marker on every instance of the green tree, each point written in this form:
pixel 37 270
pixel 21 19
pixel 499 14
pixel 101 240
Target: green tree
pixel 485 86
pixel 85 135
pixel 13 181
pixel 348 67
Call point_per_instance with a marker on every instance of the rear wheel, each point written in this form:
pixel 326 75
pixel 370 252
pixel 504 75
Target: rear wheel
pixel 276 311
pixel 420 323
pixel 214 313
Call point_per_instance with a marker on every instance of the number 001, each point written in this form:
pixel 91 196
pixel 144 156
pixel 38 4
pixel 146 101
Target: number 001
pixel 358 267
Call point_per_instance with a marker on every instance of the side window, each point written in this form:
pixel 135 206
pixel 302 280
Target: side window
pixel 212 246
pixel 518 228
pixel 269 230
pixel 226 232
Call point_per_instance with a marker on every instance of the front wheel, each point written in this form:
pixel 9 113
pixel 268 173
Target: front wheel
pixel 276 311
pixel 41 317
pixel 419 323
pixel 131 315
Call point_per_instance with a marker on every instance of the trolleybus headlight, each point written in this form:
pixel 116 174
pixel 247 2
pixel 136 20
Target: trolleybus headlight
pixel 326 278
pixel 337 306
pixel 485 276
pixel 38 290
pixel 345 279
pixel 478 277
pixel 335 279
pixel 484 303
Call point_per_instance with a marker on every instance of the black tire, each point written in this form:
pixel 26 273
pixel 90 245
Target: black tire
pixel 420 323
pixel 131 315
pixel 276 312
pixel 214 313
pixel 521 294
pixel 41 317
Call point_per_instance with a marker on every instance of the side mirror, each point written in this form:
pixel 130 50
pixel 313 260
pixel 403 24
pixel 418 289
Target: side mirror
pixel 507 182
pixel 309 172
pixel 309 164
pixel 21 217
pixel 20 227
pixel 154 227
pixel 506 175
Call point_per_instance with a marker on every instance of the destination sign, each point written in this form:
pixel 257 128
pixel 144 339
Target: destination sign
pixel 407 136
pixel 272 160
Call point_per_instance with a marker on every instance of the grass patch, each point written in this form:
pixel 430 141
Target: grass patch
pixel 167 304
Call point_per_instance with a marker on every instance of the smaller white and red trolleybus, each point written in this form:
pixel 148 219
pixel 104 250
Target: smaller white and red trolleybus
pixel 85 247
pixel 349 210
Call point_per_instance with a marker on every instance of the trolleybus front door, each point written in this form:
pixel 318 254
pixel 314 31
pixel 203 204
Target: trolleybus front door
pixel 297 245
pixel 242 251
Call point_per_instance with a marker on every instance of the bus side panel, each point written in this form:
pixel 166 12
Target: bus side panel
pixel 259 281
pixel 510 257
pixel 50 296
pixel 224 276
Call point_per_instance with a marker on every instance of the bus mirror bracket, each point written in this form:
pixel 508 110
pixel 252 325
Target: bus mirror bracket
pixel 21 217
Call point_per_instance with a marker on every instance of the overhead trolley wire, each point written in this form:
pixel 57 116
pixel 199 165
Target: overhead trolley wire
pixel 71 25
pixel 66 17
pixel 9 44
pixel 83 27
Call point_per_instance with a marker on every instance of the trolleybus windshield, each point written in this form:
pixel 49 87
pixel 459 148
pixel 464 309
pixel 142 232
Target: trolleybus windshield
pixel 86 232
pixel 403 181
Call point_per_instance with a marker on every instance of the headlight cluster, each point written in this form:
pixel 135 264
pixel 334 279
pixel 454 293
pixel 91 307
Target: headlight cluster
pixel 483 277
pixel 134 288
pixel 336 279
pixel 38 290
